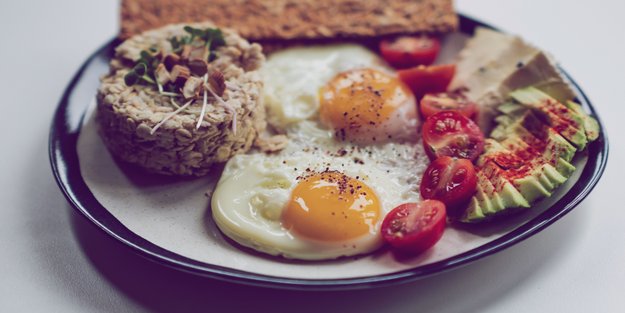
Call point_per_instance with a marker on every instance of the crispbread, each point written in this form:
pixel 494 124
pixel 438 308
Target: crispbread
pixel 261 20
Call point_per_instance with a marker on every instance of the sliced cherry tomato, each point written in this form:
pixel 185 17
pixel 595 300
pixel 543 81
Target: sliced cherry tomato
pixel 427 79
pixel 409 51
pixel 415 227
pixel 450 180
pixel 449 133
pixel 445 101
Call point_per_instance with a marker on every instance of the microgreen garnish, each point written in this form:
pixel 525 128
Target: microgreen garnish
pixel 213 38
pixel 139 72
pixel 176 73
pixel 169 116
pixel 199 121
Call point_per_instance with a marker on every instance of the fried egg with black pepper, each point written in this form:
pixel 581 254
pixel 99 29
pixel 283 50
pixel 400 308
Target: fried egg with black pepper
pixel 353 155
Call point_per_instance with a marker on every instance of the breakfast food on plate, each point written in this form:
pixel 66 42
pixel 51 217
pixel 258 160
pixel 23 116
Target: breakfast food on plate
pixel 352 129
pixel 181 98
pixel 519 89
pixel 361 148
pixel 261 20
pixel 529 153
pixel 353 173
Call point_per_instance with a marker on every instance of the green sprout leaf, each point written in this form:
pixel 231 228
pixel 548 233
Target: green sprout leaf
pixel 216 37
pixel 140 69
pixel 148 80
pixel 131 78
pixel 175 43
pixel 195 33
pixel 189 29
pixel 146 56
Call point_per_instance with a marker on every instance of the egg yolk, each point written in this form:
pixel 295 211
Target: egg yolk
pixel 330 207
pixel 357 100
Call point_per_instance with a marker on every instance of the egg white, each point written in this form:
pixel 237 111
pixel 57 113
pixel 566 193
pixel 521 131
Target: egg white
pixel 294 76
pixel 254 188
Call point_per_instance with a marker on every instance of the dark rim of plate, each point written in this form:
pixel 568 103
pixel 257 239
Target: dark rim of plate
pixel 64 161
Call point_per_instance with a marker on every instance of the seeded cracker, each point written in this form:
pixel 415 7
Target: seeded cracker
pixel 260 20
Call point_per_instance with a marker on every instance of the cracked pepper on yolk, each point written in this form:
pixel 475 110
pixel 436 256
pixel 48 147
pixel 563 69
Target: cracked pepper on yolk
pixel 357 100
pixel 331 207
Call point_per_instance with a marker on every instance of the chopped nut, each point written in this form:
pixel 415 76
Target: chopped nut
pixel 186 51
pixel 199 53
pixel 192 87
pixel 171 60
pixel 180 74
pixel 217 82
pixel 162 75
pixel 198 67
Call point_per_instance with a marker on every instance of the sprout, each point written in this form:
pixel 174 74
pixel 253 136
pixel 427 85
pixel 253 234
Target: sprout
pixel 140 69
pixel 131 78
pixel 149 60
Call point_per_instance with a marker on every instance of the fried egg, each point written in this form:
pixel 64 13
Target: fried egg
pixel 310 205
pixel 353 155
pixel 348 88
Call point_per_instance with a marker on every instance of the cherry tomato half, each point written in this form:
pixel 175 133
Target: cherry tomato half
pixel 415 227
pixel 409 51
pixel 449 133
pixel 445 101
pixel 427 79
pixel 450 180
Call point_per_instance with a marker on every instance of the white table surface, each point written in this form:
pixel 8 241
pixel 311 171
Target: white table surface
pixel 51 260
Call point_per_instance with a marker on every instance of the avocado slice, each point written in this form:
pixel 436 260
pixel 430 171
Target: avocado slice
pixel 556 150
pixel 511 112
pixel 565 168
pixel 490 200
pixel 473 213
pixel 487 202
pixel 491 147
pixel 511 109
pixel 488 208
pixel 504 120
pixel 541 169
pixel 499 132
pixel 510 196
pixel 525 175
pixel 495 195
pixel 527 170
pixel 567 122
pixel 542 137
pixel 529 153
pixel 520 147
pixel 591 126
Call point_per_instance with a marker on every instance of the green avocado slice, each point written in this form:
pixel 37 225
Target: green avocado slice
pixel 484 200
pixel 591 126
pixel 489 199
pixel 511 109
pixel 542 137
pixel 510 196
pixel 521 147
pixel 525 174
pixel 495 195
pixel 564 120
pixel 473 213
pixel 541 169
pixel 529 153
